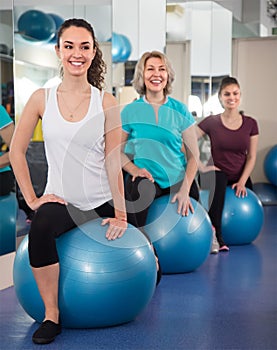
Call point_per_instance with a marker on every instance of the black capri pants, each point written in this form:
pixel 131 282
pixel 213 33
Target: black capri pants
pixel 52 220
pixel 141 193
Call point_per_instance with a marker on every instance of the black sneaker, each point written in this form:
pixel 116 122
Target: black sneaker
pixel 46 332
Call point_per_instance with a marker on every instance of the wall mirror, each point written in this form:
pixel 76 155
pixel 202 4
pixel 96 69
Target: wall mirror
pixel 196 35
pixel 7 195
pixel 208 27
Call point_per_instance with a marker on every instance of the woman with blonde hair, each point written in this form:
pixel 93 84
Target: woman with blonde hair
pixel 160 150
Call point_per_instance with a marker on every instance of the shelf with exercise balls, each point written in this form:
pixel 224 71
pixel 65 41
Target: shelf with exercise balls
pixel 36 26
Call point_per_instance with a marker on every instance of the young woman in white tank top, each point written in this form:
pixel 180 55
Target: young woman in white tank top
pixel 82 135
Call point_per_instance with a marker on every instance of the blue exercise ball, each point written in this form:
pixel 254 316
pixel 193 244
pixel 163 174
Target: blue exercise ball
pixel 117 47
pixel 36 26
pixel 270 165
pixel 58 22
pixel 266 192
pixel 242 218
pixel 182 242
pixel 204 198
pixel 8 216
pixel 102 283
pixel 126 49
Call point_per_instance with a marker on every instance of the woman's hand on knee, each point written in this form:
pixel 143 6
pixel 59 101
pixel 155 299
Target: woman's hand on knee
pixel 142 172
pixel 116 228
pixel 46 198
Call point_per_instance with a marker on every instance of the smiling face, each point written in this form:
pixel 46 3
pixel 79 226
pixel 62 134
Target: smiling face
pixel 76 50
pixel 155 75
pixel 230 96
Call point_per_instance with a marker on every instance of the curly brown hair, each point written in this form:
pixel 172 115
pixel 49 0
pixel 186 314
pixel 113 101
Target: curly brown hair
pixel 98 68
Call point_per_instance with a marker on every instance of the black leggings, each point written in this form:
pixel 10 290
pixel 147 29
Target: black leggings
pixel 141 193
pixel 7 183
pixel 216 182
pixel 52 220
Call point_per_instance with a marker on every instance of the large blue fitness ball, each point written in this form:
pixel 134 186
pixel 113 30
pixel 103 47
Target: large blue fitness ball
pixel 36 26
pixel 242 218
pixel 8 215
pixel 182 242
pixel 102 283
pixel 270 165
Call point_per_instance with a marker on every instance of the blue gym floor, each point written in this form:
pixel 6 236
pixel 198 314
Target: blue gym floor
pixel 229 302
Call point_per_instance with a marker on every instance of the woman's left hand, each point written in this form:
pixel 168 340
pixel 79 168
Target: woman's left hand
pixel 116 228
pixel 184 203
pixel 240 190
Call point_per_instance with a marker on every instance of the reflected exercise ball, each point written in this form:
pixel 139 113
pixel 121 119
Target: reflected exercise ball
pixel 117 47
pixel 36 26
pixel 242 218
pixel 182 243
pixel 8 216
pixel 126 49
pixel 270 165
pixel 102 283
pixel 58 22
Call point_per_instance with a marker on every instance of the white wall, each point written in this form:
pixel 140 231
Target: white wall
pixel 143 22
pixel 208 26
pixel 254 64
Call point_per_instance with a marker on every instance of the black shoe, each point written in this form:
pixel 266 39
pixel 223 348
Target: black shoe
pixel 46 332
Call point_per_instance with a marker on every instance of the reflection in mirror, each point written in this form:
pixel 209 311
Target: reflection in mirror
pixel 36 65
pixel 206 30
pixel 219 36
pixel 8 202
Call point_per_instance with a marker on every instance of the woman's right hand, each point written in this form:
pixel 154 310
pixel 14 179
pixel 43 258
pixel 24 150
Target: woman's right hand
pixel 46 198
pixel 207 168
pixel 142 172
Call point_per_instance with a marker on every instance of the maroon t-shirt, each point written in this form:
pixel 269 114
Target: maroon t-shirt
pixel 229 148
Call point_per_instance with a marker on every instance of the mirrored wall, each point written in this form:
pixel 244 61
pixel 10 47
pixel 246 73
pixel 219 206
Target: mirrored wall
pixel 196 35
pixel 7 184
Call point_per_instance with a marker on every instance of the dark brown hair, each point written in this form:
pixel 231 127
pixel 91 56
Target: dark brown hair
pixel 227 81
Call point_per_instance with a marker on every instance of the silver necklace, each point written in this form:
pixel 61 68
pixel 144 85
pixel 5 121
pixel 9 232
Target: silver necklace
pixel 71 115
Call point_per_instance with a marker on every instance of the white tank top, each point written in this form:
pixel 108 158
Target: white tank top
pixel 75 154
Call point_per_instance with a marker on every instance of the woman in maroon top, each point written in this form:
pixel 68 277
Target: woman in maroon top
pixel 234 139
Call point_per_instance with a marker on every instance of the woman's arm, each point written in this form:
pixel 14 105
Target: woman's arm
pixel 113 134
pixel 248 168
pixel 192 153
pixel 23 133
pixel 201 166
pixel 6 134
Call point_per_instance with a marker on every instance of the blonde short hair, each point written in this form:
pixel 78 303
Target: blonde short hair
pixel 138 80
